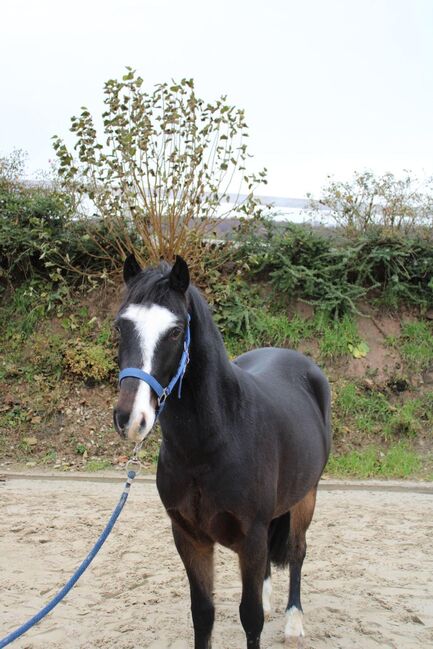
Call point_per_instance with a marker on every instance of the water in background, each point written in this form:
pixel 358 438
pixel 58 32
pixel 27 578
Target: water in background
pixel 296 210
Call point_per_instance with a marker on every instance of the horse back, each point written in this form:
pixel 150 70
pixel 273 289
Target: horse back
pixel 284 373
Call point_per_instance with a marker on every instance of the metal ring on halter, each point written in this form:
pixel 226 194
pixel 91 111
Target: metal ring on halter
pixel 135 465
pixel 162 398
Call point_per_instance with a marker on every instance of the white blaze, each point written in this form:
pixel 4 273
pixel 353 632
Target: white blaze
pixel 151 323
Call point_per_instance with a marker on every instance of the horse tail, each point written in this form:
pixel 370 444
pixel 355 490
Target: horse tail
pixel 279 531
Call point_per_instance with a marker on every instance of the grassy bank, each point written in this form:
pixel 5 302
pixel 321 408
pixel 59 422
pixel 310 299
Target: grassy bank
pixel 58 379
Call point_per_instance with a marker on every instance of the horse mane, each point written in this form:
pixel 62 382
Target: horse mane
pixel 150 284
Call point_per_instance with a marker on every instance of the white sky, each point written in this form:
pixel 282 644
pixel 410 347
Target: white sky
pixel 329 86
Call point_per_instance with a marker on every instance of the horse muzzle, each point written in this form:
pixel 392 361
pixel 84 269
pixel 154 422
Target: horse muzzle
pixel 133 430
pixel 120 420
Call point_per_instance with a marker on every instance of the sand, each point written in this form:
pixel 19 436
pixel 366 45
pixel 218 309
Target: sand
pixel 368 576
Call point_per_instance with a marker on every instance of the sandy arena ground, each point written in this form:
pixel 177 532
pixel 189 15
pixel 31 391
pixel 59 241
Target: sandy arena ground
pixel 368 576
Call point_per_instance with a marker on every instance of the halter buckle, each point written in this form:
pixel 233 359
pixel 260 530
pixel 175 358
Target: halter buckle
pixel 162 398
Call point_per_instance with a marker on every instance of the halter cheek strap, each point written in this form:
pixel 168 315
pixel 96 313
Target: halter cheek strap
pixel 162 393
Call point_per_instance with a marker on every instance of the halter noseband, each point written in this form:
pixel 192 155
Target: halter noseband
pixel 162 393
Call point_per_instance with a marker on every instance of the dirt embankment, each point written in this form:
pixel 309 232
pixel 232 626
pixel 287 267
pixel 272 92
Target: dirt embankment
pixel 67 423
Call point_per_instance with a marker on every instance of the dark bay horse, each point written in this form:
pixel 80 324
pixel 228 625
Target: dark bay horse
pixel 242 449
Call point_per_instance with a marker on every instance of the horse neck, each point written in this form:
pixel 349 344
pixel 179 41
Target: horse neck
pixel 210 373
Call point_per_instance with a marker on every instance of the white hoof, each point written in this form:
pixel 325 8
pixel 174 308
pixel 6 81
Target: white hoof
pixel 294 624
pixel 266 597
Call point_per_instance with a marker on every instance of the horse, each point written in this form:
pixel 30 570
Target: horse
pixel 243 446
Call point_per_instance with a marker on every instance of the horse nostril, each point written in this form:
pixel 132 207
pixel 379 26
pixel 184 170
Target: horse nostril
pixel 120 418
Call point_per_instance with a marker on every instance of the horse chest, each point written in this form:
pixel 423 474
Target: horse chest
pixel 202 520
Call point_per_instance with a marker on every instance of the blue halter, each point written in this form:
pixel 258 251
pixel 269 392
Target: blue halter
pixel 162 393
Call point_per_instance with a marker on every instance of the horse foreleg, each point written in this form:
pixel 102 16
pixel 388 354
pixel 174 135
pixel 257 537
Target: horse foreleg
pixel 300 519
pixel 253 555
pixel 267 590
pixel 198 561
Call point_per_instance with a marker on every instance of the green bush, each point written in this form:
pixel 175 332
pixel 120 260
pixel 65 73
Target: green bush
pixel 88 361
pixel 248 319
pixel 31 223
pixel 41 236
pixel 334 273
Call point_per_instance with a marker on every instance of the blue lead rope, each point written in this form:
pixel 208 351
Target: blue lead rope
pixel 162 394
pixel 77 574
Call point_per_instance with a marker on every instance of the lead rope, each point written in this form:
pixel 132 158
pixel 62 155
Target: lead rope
pixel 133 468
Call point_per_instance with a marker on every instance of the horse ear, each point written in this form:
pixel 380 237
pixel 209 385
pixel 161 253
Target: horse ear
pixel 179 275
pixel 131 268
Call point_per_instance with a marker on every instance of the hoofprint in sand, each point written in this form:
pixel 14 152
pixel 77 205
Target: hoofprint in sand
pixel 367 577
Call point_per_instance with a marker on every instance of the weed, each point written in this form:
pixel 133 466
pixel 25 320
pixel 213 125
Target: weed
pixel 14 416
pixel 359 464
pixel 372 412
pixel 88 360
pixel 24 446
pixel 80 448
pixel 397 462
pixel 403 422
pixel 338 337
pixel 248 320
pixel 416 344
pixel 367 410
pixel 97 465
pixel 50 457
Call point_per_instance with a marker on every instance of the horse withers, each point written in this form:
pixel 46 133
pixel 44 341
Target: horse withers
pixel 244 443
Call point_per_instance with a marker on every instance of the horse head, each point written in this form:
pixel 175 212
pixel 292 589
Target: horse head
pixel 152 324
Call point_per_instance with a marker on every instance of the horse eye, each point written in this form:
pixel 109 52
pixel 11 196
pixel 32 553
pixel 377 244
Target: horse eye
pixel 175 333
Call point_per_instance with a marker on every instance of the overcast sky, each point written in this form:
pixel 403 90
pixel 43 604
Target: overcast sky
pixel 329 86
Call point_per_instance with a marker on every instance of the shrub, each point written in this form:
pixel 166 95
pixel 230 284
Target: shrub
pixel 334 273
pixel 40 235
pixel 386 201
pixel 247 319
pixel 399 268
pixel 89 360
pixel 167 162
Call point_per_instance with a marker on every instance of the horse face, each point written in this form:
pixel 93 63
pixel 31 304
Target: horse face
pixel 151 338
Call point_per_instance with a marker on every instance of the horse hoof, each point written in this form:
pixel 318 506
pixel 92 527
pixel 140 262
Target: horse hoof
pixel 294 631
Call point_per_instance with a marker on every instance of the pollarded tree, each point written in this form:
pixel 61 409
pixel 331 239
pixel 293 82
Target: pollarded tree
pixel 164 169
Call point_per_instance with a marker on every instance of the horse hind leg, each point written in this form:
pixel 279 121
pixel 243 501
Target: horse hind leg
pixel 300 519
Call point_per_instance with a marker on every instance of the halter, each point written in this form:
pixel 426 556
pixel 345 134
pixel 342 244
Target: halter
pixel 162 393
